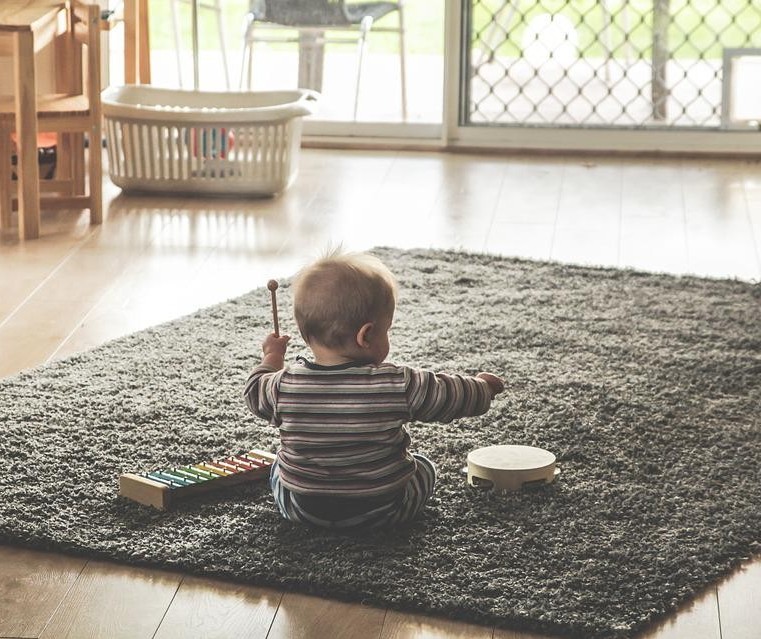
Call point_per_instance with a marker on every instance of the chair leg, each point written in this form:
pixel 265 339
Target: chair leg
pixel 222 46
pixel 364 30
pixel 27 169
pixel 402 63
pixel 78 162
pixel 63 165
pixel 6 200
pixel 248 53
pixel 311 59
pixel 176 31
pixel 497 29
pixel 95 174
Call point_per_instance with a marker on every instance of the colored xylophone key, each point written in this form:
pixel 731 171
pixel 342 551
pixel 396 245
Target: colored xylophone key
pixel 163 487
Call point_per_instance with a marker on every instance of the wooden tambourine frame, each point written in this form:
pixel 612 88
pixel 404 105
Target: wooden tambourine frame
pixel 509 468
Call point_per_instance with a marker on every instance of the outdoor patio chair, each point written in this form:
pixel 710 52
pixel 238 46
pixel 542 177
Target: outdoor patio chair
pixel 312 19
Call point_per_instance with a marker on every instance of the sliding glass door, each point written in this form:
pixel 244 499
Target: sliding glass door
pixel 629 75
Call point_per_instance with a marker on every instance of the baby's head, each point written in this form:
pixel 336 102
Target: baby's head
pixel 345 303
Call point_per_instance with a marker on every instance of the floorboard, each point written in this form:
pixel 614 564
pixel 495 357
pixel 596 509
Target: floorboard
pixel 699 618
pixel 398 625
pixel 307 617
pixel 32 586
pixel 114 602
pixel 739 599
pixel 219 610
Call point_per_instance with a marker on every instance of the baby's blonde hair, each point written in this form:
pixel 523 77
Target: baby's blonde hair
pixel 340 292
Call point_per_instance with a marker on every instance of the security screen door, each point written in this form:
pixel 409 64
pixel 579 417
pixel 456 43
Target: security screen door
pixel 627 65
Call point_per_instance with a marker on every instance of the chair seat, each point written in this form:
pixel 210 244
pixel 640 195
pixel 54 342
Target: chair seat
pixel 317 16
pixel 376 10
pixel 49 106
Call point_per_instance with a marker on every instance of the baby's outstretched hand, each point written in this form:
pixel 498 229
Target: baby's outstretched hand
pixel 274 345
pixel 495 383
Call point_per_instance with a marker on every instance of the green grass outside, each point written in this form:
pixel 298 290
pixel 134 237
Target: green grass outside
pixel 699 28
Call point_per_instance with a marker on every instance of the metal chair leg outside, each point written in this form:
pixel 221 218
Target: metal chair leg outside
pixel 402 63
pixel 365 26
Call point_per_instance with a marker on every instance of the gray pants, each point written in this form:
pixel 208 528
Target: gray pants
pixel 398 510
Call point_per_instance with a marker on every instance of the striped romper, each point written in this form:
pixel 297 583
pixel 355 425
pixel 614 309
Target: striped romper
pixel 343 460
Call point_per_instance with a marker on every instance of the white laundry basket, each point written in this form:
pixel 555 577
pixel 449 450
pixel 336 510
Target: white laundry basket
pixel 165 140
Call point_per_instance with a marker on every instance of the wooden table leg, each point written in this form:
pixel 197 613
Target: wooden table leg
pixel 27 168
pixel 130 41
pixel 5 178
pixel 144 44
pixel 137 48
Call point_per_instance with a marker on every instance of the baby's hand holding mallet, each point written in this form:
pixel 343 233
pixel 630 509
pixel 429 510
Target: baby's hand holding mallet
pixel 274 345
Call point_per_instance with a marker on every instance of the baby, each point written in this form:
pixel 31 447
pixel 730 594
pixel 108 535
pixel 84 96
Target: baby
pixel 344 459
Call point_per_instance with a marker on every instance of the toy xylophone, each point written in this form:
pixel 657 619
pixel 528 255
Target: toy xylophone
pixel 162 488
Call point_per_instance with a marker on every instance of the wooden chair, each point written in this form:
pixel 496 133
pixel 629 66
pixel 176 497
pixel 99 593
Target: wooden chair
pixel 73 114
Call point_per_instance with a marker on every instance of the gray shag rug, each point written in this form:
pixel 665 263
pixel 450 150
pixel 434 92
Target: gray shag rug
pixel 647 387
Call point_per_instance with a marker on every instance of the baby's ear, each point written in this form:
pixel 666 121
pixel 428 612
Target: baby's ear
pixel 363 335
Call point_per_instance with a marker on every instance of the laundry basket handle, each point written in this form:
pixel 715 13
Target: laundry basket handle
pixel 142 102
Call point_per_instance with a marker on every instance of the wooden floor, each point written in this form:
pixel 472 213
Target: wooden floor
pixel 156 258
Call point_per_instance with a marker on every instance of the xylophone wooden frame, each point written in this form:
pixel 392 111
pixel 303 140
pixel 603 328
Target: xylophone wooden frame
pixel 164 493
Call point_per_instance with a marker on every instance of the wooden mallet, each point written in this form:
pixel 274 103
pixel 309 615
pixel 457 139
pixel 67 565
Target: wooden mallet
pixel 272 286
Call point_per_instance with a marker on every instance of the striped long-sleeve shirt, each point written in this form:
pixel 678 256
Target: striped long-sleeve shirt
pixel 342 428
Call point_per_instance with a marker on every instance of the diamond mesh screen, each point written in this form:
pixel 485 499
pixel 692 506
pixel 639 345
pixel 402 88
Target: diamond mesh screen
pixel 608 63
